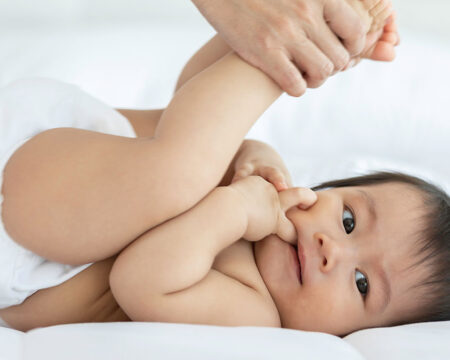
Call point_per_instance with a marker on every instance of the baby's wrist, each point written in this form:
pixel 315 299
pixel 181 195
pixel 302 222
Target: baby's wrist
pixel 234 200
pixel 240 204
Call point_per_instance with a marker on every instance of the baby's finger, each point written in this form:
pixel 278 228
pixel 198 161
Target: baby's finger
pixel 244 171
pixel 286 230
pixel 274 176
pixel 301 197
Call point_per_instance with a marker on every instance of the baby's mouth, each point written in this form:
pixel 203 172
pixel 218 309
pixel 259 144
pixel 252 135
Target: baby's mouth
pixel 299 263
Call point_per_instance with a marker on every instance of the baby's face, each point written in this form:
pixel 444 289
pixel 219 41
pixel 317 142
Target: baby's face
pixel 346 251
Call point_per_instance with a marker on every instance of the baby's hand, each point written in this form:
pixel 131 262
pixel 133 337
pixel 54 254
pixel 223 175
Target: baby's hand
pixel 266 208
pixel 258 158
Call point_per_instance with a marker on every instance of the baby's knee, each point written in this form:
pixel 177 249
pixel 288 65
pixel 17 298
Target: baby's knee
pixel 125 287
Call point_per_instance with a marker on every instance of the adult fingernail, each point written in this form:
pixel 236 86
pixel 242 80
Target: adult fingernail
pixel 299 88
pixel 352 63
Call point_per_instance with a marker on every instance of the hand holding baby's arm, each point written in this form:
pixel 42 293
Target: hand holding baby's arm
pixel 266 209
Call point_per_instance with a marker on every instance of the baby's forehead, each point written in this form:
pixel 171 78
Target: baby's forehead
pixel 393 195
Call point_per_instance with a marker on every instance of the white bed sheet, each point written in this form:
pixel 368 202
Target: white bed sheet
pixel 172 341
pixel 102 341
pixel 375 116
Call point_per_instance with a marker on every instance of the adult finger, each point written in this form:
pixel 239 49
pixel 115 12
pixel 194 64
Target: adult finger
pixel 313 62
pixel 301 197
pixel 331 47
pixel 280 68
pixel 345 23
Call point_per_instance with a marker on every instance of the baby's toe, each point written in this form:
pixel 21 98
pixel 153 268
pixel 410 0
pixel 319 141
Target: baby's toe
pixel 379 10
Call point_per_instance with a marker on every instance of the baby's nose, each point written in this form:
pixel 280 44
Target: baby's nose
pixel 331 251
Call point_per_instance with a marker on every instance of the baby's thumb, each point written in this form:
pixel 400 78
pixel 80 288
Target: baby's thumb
pixel 286 230
pixel 301 197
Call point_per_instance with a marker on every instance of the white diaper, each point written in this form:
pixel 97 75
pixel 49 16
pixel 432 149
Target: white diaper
pixel 28 107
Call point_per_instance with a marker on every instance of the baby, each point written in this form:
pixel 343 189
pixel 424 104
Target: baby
pixel 363 252
pixel 242 238
pixel 370 251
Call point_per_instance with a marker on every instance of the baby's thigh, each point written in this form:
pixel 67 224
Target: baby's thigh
pixel 84 298
pixel 75 196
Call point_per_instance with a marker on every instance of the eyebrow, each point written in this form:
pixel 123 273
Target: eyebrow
pixel 384 283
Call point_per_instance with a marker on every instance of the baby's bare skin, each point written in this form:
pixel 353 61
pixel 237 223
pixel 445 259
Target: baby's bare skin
pixel 98 271
pixel 373 12
pixel 382 35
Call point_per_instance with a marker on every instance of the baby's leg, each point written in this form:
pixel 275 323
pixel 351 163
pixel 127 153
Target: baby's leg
pixel 76 196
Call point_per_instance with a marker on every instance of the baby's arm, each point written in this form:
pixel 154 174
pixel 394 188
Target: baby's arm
pixel 166 275
pixel 207 55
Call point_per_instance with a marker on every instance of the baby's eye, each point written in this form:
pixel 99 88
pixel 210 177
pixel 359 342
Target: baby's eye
pixel 361 282
pixel 349 221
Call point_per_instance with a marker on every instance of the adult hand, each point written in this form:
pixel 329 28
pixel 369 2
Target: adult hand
pixel 282 36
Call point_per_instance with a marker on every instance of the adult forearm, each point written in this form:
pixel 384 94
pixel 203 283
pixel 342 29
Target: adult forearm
pixel 180 252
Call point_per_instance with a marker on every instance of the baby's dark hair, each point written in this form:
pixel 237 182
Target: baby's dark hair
pixel 433 243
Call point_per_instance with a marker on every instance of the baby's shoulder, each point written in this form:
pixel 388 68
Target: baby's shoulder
pixel 238 262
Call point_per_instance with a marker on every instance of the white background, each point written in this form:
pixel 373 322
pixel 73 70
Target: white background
pixel 129 53
pixel 431 14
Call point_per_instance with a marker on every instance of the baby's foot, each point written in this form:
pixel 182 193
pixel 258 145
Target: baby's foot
pixel 380 45
pixel 374 13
